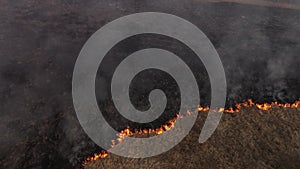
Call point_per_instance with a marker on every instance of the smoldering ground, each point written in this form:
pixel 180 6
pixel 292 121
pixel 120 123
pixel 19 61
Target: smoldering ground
pixel 40 41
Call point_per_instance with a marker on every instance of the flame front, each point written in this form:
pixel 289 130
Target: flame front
pixel 170 124
pixel 96 156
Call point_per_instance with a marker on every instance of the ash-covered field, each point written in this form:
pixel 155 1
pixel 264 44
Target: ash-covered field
pixel 258 45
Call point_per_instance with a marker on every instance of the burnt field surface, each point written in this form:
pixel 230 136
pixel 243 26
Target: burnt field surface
pixel 40 42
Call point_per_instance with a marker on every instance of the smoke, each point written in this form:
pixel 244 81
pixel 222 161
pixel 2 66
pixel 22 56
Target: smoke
pixel 40 41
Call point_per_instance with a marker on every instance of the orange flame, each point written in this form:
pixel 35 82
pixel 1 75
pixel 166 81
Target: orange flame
pixel 170 124
pixel 96 156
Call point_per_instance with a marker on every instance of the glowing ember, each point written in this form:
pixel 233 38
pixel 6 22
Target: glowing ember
pixel 96 156
pixel 170 124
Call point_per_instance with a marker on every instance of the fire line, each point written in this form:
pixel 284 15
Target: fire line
pixel 127 132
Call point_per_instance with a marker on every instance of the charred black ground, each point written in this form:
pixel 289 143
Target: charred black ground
pixel 40 41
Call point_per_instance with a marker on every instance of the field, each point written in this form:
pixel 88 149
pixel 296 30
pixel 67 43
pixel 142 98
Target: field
pixel 261 139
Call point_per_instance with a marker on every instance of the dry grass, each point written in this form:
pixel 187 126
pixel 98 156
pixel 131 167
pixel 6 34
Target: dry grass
pixel 249 139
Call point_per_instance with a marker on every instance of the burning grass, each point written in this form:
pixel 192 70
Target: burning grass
pixel 244 109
